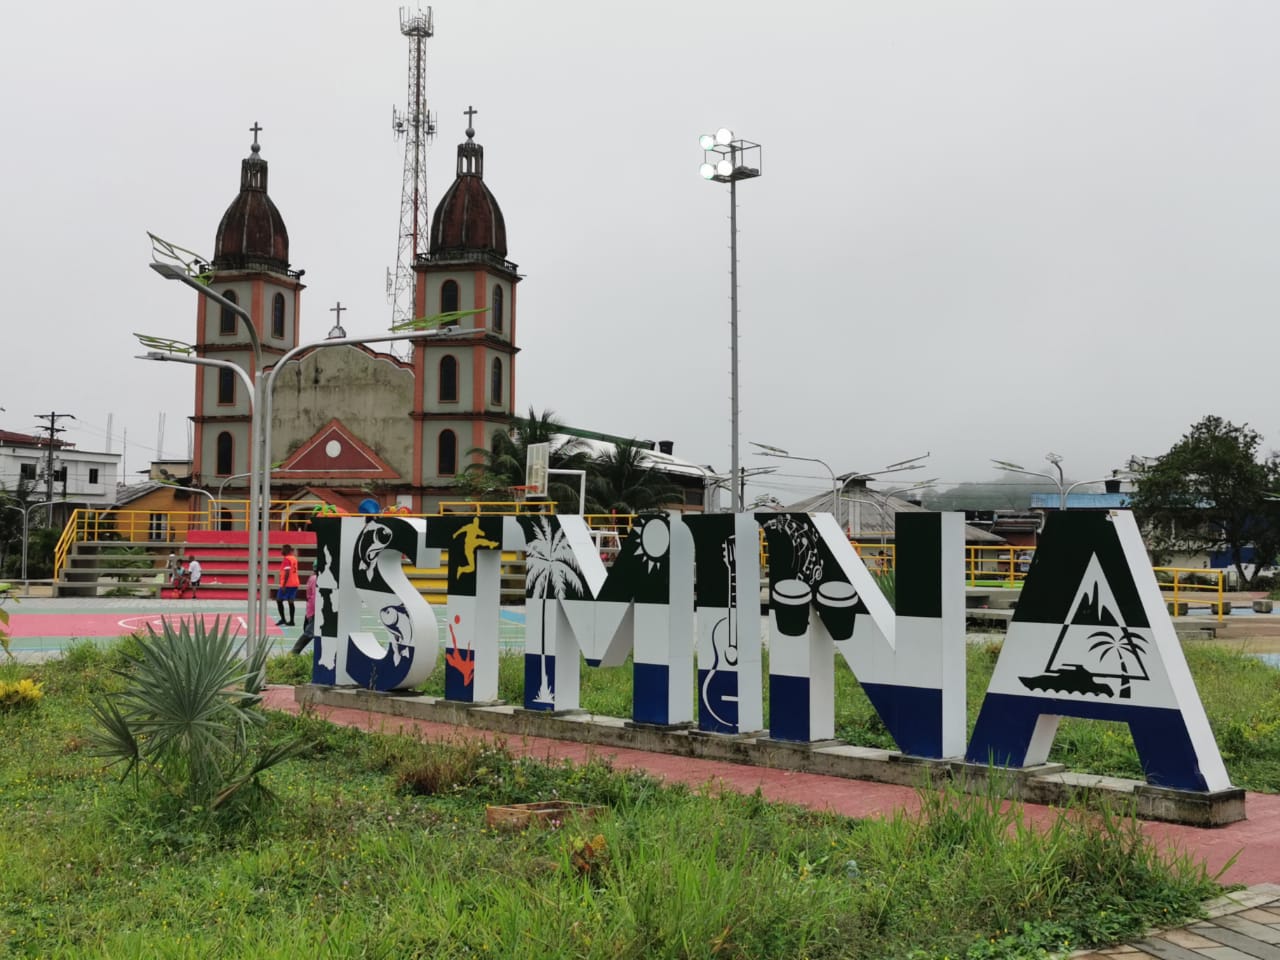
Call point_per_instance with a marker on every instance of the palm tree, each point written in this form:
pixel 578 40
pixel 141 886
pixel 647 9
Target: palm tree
pixel 625 480
pixel 550 568
pixel 504 464
pixel 1127 646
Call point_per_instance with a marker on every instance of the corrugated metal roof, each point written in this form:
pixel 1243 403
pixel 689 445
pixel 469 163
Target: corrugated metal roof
pixel 871 519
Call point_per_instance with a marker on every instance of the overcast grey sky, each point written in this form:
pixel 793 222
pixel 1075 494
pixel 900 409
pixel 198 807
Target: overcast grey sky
pixel 983 229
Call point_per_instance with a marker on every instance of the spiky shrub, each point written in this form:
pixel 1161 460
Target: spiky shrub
pixel 187 716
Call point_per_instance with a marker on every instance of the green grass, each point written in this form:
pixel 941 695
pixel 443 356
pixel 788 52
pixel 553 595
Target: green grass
pixel 378 847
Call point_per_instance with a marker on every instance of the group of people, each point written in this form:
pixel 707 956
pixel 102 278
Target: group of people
pixel 184 574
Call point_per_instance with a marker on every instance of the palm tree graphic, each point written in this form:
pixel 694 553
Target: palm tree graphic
pixel 551 569
pixel 1127 646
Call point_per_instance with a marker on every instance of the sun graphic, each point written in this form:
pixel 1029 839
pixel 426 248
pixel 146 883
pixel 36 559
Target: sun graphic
pixel 653 543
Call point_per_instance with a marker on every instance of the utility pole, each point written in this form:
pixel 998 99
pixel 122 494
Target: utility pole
pixel 52 429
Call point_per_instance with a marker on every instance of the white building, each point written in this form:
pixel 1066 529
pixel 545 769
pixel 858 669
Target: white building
pixel 82 478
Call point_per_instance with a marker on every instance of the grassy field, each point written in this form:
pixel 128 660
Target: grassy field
pixel 376 846
pixel 1240 693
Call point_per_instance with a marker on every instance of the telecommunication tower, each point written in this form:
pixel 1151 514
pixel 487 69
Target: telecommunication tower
pixel 416 126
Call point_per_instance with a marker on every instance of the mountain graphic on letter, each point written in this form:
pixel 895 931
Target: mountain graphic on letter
pixel 1094 646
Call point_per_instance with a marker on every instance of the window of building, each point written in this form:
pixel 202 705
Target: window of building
pixel 227 326
pixel 497 308
pixel 449 296
pixel 60 475
pixel 496 445
pixel 226 386
pixel 447 458
pixel 448 379
pixel 223 454
pixel 93 476
pixel 27 471
pixel 277 316
pixel 495 382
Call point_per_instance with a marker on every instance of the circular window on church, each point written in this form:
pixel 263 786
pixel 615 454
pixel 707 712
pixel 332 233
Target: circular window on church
pixel 332 449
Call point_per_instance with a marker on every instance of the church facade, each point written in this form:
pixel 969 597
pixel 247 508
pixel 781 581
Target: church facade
pixel 351 423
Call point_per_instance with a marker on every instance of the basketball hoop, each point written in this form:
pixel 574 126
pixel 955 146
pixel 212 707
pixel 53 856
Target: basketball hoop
pixel 522 492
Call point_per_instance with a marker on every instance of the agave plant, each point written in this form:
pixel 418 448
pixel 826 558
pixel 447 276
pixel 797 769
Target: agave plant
pixel 187 713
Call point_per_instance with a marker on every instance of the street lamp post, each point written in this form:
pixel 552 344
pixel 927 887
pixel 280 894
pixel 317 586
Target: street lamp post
pixel 769 451
pixel 725 160
pixel 191 273
pixel 176 263
pixel 268 386
pixel 26 525
pixel 1064 488
pixel 175 352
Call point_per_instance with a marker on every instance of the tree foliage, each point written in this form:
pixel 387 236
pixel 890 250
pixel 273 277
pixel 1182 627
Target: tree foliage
pixel 504 465
pixel 1212 491
pixel 623 480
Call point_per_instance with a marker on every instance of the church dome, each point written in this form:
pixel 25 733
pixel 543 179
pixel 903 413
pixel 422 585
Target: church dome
pixel 252 234
pixel 468 220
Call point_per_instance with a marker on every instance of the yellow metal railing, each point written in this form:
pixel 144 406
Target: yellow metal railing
pixel 494 507
pixel 1007 565
pixel 1176 584
pixel 878 557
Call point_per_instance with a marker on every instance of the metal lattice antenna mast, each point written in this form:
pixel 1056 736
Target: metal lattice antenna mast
pixel 417 126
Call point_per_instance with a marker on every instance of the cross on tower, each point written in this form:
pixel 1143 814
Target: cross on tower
pixel 255 130
pixel 338 308
pixel 470 112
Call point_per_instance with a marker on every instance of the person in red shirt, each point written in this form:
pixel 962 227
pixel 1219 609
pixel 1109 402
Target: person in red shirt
pixel 287 587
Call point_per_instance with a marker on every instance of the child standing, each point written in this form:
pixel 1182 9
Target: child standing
pixel 193 574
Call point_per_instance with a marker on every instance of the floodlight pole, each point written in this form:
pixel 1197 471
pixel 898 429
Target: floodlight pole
pixel 730 167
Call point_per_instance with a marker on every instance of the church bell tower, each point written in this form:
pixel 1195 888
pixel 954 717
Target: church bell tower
pixel 251 268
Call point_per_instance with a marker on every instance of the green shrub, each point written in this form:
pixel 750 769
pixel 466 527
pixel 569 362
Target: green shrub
pixel 24 694
pixel 186 717
pixel 289 668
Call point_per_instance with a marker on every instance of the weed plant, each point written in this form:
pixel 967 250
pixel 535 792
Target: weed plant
pixel 380 849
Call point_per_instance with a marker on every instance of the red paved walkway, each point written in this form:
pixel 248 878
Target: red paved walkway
pixel 1256 840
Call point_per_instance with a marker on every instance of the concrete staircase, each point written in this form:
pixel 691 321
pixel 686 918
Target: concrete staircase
pixel 95 568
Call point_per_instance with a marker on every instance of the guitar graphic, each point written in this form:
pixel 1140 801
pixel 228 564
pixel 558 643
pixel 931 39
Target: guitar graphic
pixel 724 649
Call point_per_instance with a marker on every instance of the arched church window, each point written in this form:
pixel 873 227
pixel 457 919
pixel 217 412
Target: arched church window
pixel 495 382
pixel 224 448
pixel 497 308
pixel 448 379
pixel 227 324
pixel 449 296
pixel 447 456
pixel 277 316
pixel 226 386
